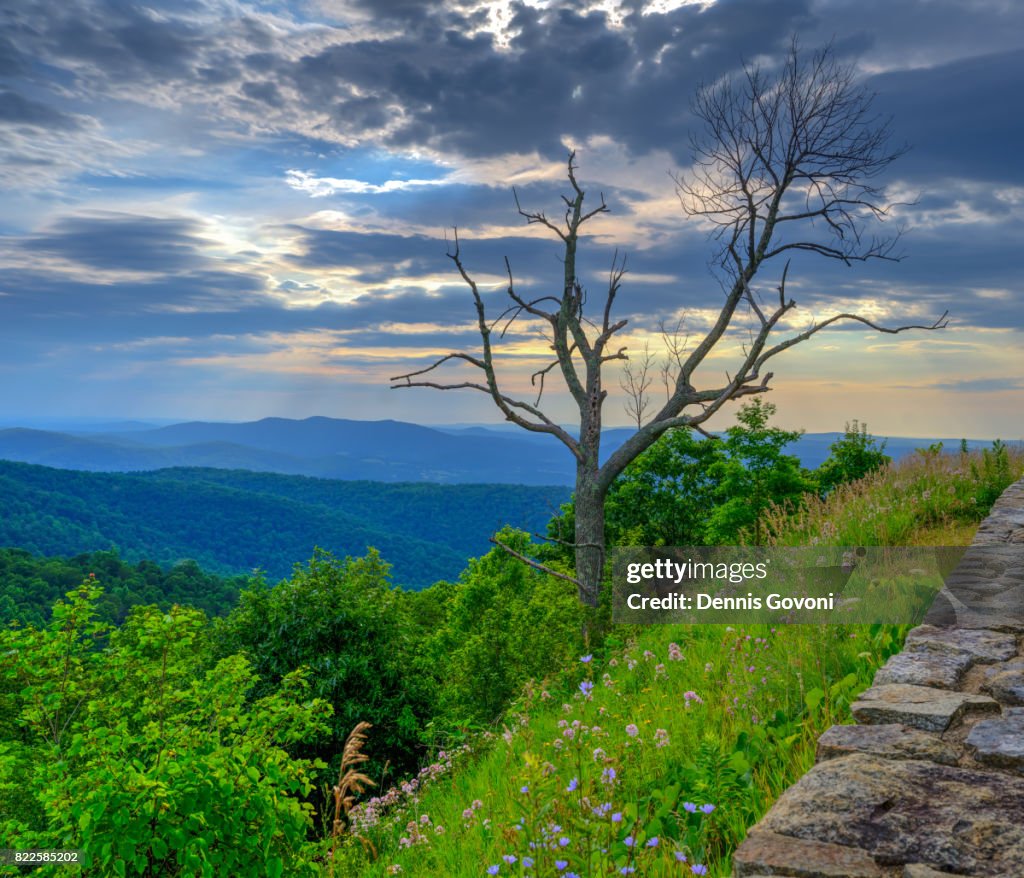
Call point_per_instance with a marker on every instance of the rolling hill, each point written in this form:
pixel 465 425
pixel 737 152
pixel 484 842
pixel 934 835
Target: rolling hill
pixel 235 521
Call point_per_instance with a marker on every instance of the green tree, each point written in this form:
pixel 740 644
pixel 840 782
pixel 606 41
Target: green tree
pixel 851 457
pixel 346 623
pixel 663 498
pixel 754 475
pixel 138 749
pixel 507 623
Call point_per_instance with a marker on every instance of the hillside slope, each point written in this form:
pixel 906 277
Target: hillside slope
pixel 234 521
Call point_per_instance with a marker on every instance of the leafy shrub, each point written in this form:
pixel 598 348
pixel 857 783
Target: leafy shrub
pixel 144 754
pixel 852 457
pixel 345 623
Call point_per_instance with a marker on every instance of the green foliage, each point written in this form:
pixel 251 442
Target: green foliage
pixel 852 457
pixel 992 473
pixel 686 491
pixel 345 623
pixel 506 624
pixel 754 476
pixel 135 747
pixel 29 585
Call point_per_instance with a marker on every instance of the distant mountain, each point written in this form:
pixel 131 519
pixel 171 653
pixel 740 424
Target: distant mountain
pixel 382 451
pixel 386 451
pixel 232 522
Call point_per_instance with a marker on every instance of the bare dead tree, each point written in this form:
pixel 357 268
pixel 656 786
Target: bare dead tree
pixel 784 164
pixel 635 383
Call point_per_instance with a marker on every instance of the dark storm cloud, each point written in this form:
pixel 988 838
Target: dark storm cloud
pixel 422 80
pixel 137 243
pixel 960 118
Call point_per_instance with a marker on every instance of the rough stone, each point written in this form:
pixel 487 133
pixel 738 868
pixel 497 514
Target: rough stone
pixel 999 741
pixel 1007 687
pixel 892 741
pixel 955 819
pixel 921 707
pixel 766 852
pixel 926 667
pixel 919 870
pixel 984 645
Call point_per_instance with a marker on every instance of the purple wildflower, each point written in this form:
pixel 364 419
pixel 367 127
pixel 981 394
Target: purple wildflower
pixel 698 869
pixel 586 659
pixel 561 864
pixel 689 807
pixel 573 785
pixel 652 842
pixel 707 809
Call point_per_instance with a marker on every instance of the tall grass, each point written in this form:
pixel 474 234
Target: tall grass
pixel 923 499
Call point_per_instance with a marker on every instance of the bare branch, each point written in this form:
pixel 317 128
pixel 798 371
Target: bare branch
pixel 536 565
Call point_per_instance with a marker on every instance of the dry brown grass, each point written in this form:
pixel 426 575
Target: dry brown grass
pixel 351 782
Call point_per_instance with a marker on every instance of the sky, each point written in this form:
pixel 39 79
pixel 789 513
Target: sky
pixel 227 210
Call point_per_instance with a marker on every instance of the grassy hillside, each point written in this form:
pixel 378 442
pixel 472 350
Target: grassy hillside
pixel 235 521
pixel 654 755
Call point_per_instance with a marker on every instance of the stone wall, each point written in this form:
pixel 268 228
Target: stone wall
pixel 930 781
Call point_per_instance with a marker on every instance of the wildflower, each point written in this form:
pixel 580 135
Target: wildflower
pixel 608 776
pixel 439 829
pixel 607 680
pixel 680 857
pixel 632 730
pixel 476 803
pixel 467 814
pixel 652 842
pixel 628 841
pixel 525 790
pixel 627 870
pixel 698 869
pixel 613 663
pixel 617 817
pixel 573 785
pixel 661 738
pixel 493 870
pixel 586 658
pixel 585 687
pixel 509 858
pixel 561 864
pixel 569 733
pixel 527 862
pixel 648 655
pixel 675 654
pixel 394 869
pixel 689 807
pixel 707 809
pixel 564 842
pixel 598 753
pixel 545 695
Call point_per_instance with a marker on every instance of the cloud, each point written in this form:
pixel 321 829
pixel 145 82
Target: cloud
pixel 980 385
pixel 123 242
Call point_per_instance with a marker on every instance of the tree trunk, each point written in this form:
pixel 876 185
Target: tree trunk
pixel 589 535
